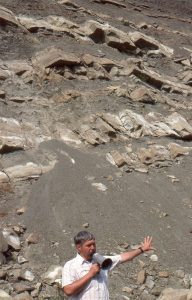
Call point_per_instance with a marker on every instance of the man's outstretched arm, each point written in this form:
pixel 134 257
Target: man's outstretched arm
pixel 78 285
pixel 146 245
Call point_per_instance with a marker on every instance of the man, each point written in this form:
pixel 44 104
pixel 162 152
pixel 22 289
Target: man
pixel 82 278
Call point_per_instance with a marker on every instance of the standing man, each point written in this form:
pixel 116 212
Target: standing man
pixel 83 279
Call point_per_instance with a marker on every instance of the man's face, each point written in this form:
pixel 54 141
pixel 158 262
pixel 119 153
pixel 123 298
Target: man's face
pixel 87 249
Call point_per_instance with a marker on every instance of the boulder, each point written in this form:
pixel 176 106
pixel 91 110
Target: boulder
pixel 22 172
pixel 54 23
pixel 104 127
pixel 91 136
pixel 137 125
pixel 26 275
pixel 143 41
pixel 28 170
pixel 4 295
pixel 66 135
pixel 113 120
pixel 174 294
pixel 180 125
pixel 12 136
pixel 153 154
pixel 115 158
pixel 142 94
pixel 104 33
pixel 54 57
pixel 177 150
pixel 3 177
pixel 52 275
pixel 159 81
pixel 106 63
pixel 11 238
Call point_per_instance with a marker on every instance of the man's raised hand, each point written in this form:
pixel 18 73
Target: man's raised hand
pixel 146 245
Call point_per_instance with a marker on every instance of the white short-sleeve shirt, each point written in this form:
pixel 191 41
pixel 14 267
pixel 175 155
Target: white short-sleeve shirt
pixel 97 288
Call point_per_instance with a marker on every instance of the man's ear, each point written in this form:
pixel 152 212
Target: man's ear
pixel 78 247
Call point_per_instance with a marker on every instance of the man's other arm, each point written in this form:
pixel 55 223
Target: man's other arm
pixel 146 245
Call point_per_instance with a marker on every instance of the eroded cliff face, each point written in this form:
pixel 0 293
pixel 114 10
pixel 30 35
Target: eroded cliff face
pixel 95 132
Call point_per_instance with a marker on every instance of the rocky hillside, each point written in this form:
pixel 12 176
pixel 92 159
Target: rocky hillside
pixel 96 133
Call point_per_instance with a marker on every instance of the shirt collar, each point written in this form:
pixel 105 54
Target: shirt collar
pixel 80 259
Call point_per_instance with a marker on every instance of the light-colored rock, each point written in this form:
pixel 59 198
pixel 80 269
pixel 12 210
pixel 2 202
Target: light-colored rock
pixel 146 42
pixel 174 294
pixel 106 63
pixel 164 274
pixel 153 154
pixel 178 150
pixel 4 295
pixel 12 238
pixel 16 136
pixel 54 57
pixel 141 277
pixel 22 172
pixel 33 238
pixel 67 135
pixel 99 186
pixel 21 259
pixel 91 136
pixel 18 67
pixel 142 94
pixel 154 257
pixel 180 125
pixel 29 170
pixel 115 158
pixel 53 274
pixel 27 275
pixel 158 81
pixel 7 16
pixel 113 120
pixel 3 177
pixel 137 125
pixel 149 283
pixel 21 210
pixel 55 23
pixel 104 33
pixel 127 289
